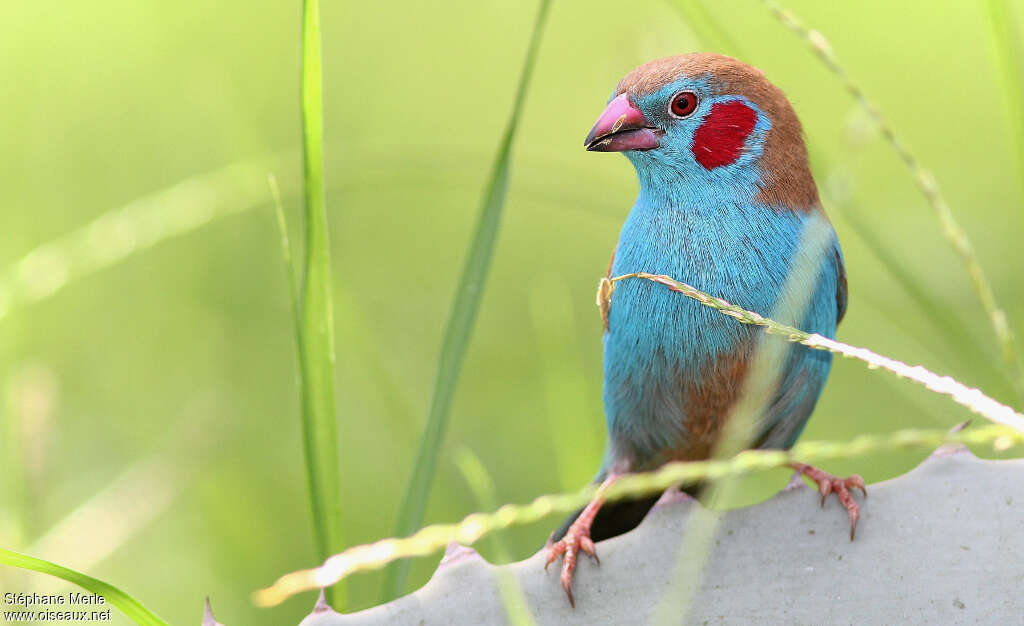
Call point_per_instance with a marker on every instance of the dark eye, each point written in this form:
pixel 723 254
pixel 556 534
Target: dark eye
pixel 683 103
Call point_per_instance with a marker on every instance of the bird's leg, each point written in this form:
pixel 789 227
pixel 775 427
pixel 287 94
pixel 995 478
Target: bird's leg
pixel 577 539
pixel 829 483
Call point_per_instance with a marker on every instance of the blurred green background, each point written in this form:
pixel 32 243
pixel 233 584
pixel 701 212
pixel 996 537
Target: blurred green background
pixel 151 415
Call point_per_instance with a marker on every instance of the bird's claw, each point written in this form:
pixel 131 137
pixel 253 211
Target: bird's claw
pixel 829 484
pixel 577 539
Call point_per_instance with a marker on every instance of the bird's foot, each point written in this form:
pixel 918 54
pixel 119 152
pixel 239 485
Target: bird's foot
pixel 829 483
pixel 577 539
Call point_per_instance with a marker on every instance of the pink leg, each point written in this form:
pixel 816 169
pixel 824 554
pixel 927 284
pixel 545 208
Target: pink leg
pixel 829 483
pixel 577 539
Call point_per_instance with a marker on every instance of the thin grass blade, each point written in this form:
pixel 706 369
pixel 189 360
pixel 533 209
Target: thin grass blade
pixel 124 602
pixel 316 317
pixel 286 248
pixel 480 482
pixel 473 527
pixel 1010 61
pixel 460 323
pixel 706 28
pixel 117 234
pixel 709 31
pixel 928 186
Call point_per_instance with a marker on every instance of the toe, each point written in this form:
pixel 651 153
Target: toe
pixel 587 546
pixel 825 488
pixel 576 540
pixel 856 482
pixel 567 573
pixel 854 513
pixel 554 551
pixel 829 484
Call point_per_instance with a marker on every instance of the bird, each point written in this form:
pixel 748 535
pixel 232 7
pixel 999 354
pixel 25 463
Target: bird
pixel 725 197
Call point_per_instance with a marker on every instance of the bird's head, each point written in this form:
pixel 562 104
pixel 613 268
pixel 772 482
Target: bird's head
pixel 712 123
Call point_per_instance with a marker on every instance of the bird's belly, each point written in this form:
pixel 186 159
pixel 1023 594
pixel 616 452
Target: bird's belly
pixel 673 368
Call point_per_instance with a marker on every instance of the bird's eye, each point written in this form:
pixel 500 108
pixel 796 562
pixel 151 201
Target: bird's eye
pixel 683 104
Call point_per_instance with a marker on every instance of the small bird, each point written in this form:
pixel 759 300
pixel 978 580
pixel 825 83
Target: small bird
pixel 726 194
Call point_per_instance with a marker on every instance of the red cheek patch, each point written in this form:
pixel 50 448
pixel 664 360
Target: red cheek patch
pixel 720 139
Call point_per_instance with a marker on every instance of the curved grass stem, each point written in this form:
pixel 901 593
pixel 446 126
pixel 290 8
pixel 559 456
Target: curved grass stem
pixel 971 398
pixel 1008 431
pixel 473 527
pixel 928 186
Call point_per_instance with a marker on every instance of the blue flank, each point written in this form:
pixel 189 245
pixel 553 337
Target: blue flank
pixel 705 229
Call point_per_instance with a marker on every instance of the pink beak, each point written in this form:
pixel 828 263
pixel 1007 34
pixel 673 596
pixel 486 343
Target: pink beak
pixel 622 127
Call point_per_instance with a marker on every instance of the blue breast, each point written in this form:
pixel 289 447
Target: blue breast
pixel 661 347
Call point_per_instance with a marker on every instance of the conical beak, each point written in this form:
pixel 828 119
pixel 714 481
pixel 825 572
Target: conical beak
pixel 622 127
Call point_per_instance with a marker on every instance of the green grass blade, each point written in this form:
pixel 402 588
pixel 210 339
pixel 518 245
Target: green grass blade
pixel 1010 60
pixel 286 248
pixel 316 317
pixel 460 323
pixel 706 28
pixel 137 226
pixel 482 485
pixel 124 602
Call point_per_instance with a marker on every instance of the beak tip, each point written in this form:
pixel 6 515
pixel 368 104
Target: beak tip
pixel 614 129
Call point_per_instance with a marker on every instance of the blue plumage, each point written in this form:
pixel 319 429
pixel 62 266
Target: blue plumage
pixel 660 343
pixel 728 205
